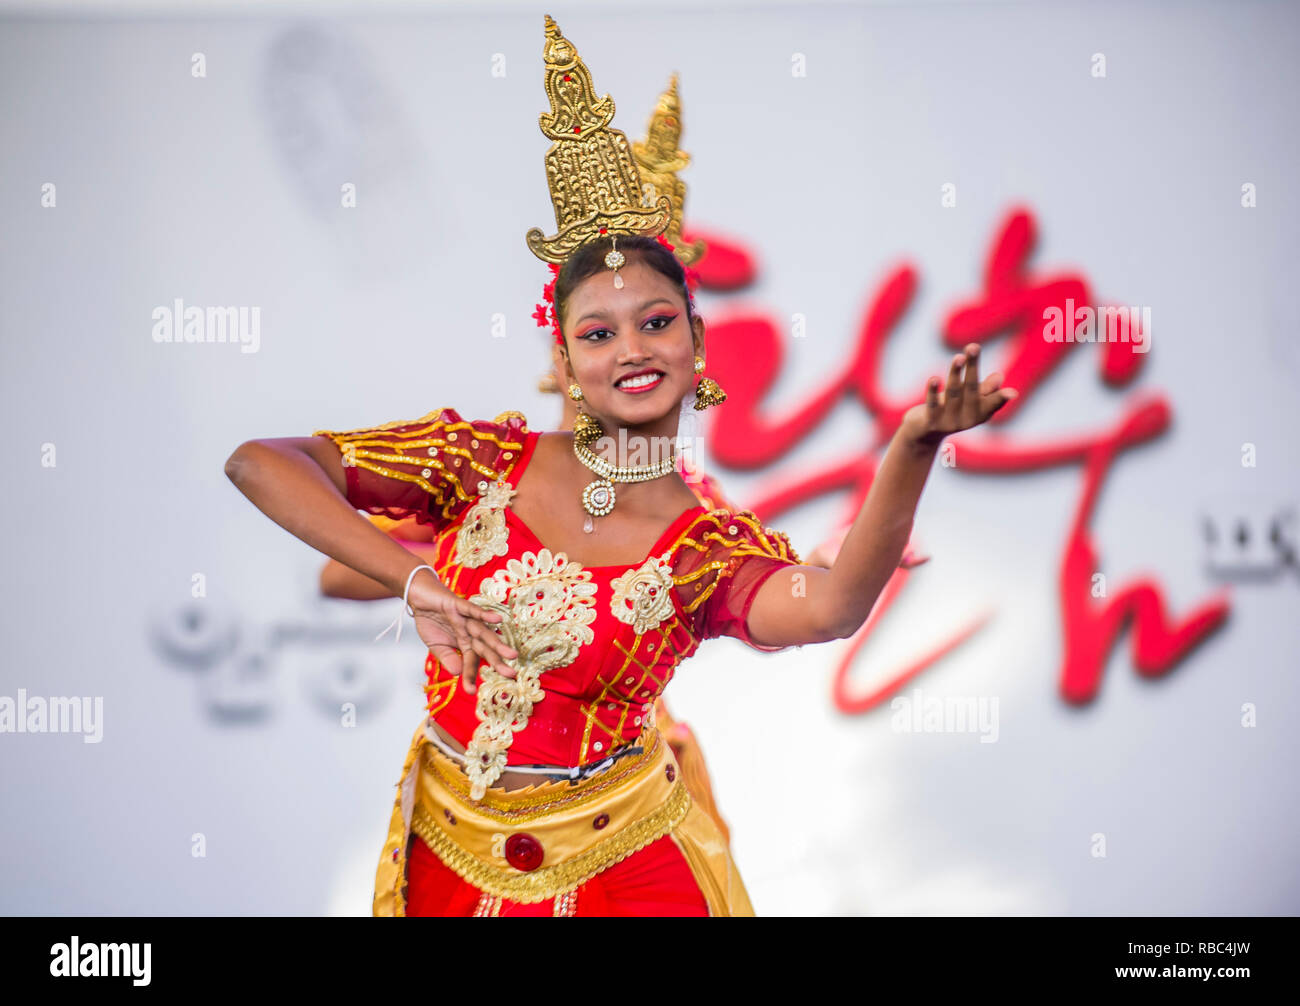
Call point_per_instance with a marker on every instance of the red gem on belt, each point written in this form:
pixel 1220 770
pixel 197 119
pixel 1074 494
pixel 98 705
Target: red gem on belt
pixel 523 851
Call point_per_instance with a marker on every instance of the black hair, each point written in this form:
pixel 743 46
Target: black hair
pixel 589 259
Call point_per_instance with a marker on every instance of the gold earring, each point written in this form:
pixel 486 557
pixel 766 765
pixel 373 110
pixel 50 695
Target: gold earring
pixel 708 392
pixel 547 384
pixel 586 429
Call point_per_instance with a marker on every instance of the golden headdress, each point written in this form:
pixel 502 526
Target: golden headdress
pixel 595 186
pixel 593 178
pixel 659 159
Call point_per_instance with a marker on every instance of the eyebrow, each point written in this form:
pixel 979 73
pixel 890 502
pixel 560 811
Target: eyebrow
pixel 602 314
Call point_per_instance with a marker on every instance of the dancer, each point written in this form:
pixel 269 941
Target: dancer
pixel 574 572
pixel 658 159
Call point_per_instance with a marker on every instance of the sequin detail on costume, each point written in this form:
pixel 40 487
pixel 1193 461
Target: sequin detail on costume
pixel 547 603
pixel 565 904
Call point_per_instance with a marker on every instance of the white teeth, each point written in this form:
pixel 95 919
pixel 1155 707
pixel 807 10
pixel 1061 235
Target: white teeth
pixel 640 381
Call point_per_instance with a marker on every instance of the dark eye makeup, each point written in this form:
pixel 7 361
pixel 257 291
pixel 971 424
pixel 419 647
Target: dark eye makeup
pixel 667 320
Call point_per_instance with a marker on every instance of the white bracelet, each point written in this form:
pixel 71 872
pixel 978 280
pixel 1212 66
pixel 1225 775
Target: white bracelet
pixel 398 620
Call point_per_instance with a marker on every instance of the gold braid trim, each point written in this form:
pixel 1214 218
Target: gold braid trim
pixel 550 881
pixel 769 544
pixel 370 448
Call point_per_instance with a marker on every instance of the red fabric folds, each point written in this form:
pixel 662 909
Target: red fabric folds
pixel 654 881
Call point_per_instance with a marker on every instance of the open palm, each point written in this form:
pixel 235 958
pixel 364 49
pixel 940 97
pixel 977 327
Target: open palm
pixel 963 403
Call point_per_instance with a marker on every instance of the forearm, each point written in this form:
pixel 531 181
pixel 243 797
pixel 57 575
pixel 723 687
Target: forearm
pixel 290 487
pixel 338 580
pixel 875 543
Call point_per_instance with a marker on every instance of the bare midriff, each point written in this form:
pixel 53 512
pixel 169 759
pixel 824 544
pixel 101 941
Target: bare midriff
pixel 508 780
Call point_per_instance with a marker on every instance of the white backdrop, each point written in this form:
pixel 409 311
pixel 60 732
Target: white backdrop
pixel 126 182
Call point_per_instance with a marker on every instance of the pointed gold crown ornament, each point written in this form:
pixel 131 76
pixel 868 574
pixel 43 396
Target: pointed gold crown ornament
pixel 659 159
pixel 597 190
pixel 594 183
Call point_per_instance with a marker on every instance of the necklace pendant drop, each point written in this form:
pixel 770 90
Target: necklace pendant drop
pixel 598 497
pixel 589 525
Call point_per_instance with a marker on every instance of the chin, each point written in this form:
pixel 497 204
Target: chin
pixel 640 412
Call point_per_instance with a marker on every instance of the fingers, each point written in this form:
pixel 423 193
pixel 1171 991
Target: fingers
pixel 492 648
pixel 475 657
pixel 991 383
pixel 983 399
pixel 993 396
pixel 448 656
pixel 469 675
pixel 971 388
pixel 932 395
pixel 484 628
pixel 1001 398
pixel 485 615
pixel 952 393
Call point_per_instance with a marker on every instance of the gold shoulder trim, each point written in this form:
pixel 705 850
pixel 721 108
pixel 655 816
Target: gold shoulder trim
pixel 742 535
pixel 509 414
pixel 424 445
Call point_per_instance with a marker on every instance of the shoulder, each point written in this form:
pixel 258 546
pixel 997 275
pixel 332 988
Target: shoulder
pixel 481 448
pixel 732 533
pixel 442 453
pixel 444 422
pixel 507 432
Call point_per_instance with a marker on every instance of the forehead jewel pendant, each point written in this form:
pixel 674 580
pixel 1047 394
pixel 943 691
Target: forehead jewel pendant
pixel 615 259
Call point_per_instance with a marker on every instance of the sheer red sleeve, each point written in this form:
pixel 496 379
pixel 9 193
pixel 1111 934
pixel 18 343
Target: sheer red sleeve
pixel 727 557
pixel 426 468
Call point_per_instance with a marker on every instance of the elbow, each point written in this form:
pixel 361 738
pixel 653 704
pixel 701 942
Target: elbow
pixel 237 462
pixel 842 625
pixel 329 580
pixel 842 630
pixel 244 462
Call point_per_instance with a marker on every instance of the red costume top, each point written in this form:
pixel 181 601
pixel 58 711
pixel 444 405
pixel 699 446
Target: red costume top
pixel 597 644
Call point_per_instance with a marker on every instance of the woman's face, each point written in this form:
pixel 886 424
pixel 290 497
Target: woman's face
pixel 615 333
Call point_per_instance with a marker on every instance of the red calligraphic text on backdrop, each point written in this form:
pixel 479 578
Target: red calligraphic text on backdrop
pixel 746 356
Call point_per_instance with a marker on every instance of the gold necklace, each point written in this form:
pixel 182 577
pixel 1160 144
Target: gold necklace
pixel 598 497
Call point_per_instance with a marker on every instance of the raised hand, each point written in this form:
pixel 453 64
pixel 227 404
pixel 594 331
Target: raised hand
pixel 964 403
pixel 459 634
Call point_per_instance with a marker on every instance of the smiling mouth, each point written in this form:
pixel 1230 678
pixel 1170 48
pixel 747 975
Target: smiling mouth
pixel 642 382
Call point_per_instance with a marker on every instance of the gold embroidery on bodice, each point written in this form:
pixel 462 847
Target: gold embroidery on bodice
pixel 483 534
pixel 643 597
pixel 547 603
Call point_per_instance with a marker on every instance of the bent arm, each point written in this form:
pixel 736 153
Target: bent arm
pixel 808 604
pixel 299 482
pixel 338 580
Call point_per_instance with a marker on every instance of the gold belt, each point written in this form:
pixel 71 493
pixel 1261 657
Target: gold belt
pixel 537 843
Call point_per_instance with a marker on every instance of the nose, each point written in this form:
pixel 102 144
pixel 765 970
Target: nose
pixel 633 349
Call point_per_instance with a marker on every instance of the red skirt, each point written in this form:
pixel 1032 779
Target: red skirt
pixel 655 880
